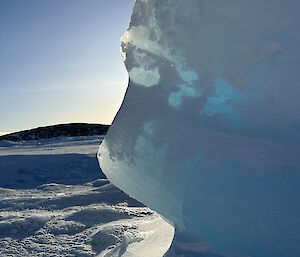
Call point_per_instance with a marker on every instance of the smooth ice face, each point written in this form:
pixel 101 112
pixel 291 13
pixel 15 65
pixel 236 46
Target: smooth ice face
pixel 208 134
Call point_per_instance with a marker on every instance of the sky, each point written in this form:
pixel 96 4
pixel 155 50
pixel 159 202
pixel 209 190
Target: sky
pixel 60 61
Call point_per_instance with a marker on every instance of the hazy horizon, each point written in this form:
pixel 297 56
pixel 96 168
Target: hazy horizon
pixel 60 62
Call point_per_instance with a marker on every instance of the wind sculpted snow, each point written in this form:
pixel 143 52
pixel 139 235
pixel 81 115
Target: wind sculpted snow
pixel 54 201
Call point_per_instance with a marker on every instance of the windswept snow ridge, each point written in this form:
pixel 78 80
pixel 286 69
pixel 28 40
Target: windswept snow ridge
pixel 54 201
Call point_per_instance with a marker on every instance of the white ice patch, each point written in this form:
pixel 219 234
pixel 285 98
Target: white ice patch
pixel 175 98
pixel 144 77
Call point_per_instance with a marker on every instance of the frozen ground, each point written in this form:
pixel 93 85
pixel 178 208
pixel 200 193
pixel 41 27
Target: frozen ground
pixel 56 202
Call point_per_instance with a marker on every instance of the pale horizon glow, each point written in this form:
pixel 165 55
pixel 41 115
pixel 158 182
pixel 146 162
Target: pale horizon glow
pixel 4 133
pixel 60 61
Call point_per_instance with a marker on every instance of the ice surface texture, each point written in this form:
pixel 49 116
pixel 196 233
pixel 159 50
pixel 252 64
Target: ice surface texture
pixel 208 134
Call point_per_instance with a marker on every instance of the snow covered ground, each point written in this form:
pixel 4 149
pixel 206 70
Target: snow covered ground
pixel 54 201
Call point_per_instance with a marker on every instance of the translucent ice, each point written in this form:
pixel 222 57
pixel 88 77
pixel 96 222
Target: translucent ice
pixel 209 131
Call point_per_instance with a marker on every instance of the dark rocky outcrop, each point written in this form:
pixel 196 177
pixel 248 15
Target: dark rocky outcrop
pixel 71 130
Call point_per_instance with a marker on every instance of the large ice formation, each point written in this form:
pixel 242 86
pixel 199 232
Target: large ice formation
pixel 208 134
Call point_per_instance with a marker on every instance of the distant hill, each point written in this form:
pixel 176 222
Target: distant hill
pixel 71 130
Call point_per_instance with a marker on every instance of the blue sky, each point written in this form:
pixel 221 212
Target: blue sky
pixel 60 61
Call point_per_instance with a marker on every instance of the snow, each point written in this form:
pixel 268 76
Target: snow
pixel 208 133
pixel 56 202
